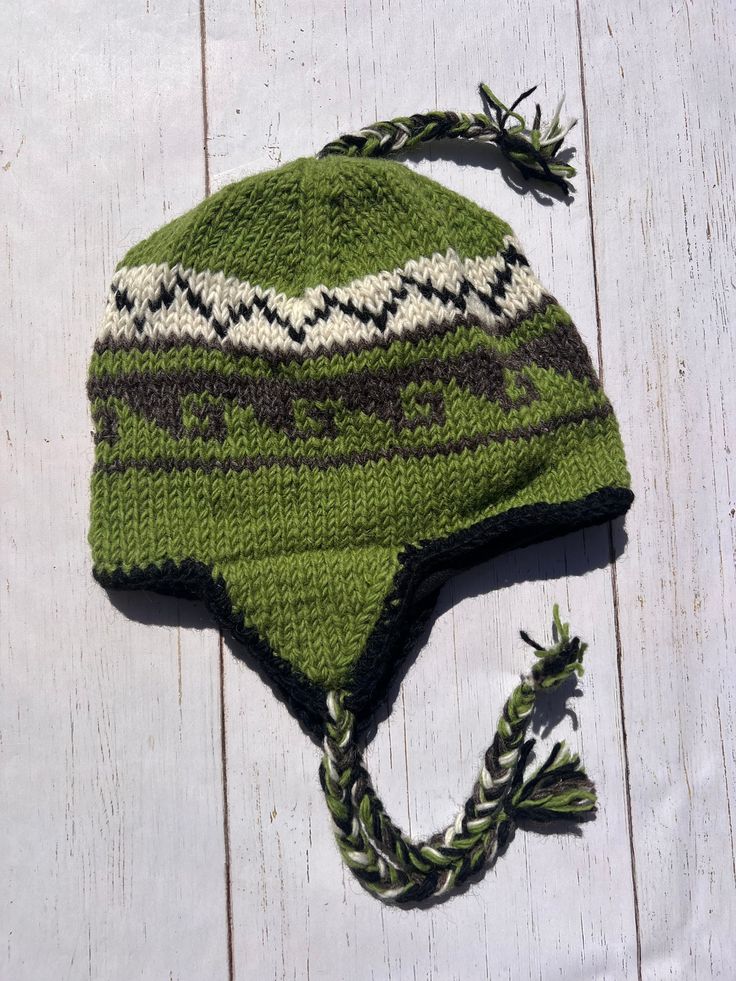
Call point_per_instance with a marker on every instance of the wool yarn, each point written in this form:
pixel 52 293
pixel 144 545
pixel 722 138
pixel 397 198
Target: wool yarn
pixel 320 393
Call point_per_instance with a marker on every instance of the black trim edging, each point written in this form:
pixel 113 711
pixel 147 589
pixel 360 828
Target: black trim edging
pixel 424 570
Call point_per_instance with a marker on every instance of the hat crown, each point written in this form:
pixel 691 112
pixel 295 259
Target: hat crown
pixel 322 222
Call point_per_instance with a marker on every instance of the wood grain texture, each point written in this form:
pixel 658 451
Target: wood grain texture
pixel 662 169
pixel 160 812
pixel 334 68
pixel 110 763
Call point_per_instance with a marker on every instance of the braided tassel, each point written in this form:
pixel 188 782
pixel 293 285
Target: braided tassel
pixel 532 149
pixel 398 870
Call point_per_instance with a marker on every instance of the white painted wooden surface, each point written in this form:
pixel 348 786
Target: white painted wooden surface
pixel 160 816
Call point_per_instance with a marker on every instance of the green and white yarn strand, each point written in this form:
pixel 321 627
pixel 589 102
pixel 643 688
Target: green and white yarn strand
pixel 399 870
pixel 532 149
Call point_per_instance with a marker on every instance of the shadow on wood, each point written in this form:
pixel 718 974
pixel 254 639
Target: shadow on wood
pixel 466 153
pixel 570 555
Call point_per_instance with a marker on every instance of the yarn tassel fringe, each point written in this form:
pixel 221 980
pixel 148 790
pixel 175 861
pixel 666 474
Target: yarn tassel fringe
pixel 399 870
pixel 533 149
pixel 558 790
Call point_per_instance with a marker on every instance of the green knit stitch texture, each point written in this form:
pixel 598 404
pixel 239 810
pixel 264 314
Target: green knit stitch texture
pixel 300 479
pixel 322 222
pixel 309 555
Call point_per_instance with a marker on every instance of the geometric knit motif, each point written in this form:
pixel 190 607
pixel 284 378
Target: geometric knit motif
pixel 169 303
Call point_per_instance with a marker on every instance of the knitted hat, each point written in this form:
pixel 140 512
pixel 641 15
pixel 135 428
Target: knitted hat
pixel 317 395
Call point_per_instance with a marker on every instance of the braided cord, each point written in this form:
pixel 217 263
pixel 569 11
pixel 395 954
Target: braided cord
pixel 532 149
pixel 398 870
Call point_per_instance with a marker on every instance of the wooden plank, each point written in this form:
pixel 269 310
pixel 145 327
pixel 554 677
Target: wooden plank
pixel 110 752
pixel 663 165
pixel 555 907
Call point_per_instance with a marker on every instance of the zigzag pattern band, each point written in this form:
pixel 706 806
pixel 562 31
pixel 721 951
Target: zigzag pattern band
pixel 168 303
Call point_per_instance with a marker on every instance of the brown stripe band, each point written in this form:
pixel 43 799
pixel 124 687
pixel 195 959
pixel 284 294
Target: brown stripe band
pixel 251 464
pixel 160 396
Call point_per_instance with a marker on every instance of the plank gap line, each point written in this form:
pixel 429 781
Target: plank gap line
pixel 226 817
pixel 205 116
pixel 611 548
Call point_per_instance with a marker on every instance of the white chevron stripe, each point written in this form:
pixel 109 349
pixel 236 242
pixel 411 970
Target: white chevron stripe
pixel 179 320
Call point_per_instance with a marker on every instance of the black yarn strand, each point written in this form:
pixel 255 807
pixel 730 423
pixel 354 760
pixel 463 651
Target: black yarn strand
pixel 533 150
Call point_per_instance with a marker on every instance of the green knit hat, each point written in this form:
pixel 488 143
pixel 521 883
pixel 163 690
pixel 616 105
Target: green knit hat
pixel 317 395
